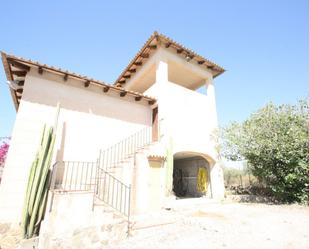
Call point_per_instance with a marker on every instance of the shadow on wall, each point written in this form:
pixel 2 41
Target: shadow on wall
pixel 60 151
pixel 60 154
pixel 188 154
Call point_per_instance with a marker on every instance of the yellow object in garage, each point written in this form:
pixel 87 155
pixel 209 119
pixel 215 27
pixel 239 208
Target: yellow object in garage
pixel 202 180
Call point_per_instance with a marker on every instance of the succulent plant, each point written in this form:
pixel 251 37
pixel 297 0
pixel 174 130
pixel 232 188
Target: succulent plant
pixel 38 183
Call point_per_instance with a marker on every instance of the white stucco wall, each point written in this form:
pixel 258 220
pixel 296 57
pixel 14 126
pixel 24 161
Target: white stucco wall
pixel 188 117
pixel 89 120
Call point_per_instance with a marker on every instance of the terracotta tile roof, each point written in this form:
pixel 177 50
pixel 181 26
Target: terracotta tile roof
pixel 20 66
pixel 157 39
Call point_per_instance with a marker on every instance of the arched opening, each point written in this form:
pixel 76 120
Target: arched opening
pixel 191 175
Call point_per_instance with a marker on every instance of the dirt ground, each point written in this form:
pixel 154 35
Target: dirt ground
pixel 224 225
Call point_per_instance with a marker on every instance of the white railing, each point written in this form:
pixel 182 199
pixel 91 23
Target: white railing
pixel 115 154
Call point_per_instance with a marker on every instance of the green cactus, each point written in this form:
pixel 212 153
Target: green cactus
pixel 25 216
pixel 40 187
pixel 41 160
pixel 43 202
pixel 38 183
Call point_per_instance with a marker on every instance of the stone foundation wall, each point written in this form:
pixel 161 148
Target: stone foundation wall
pixel 74 223
pixel 92 237
pixel 10 235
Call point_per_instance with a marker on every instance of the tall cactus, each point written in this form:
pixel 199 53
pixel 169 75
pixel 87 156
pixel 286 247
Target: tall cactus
pixel 37 188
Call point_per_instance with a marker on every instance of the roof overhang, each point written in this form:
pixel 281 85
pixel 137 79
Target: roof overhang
pixel 159 40
pixel 16 69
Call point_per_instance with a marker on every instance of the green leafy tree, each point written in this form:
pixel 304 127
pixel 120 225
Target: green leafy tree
pixel 275 143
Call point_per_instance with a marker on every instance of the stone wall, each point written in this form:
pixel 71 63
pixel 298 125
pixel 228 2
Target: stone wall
pixel 74 223
pixel 91 237
pixel 10 235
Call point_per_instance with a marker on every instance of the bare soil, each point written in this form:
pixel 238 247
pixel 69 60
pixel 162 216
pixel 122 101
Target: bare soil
pixel 225 225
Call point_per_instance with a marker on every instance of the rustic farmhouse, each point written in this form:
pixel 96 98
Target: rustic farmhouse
pixel 133 146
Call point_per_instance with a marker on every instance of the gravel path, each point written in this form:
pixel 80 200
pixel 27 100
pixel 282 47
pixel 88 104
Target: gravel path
pixel 227 225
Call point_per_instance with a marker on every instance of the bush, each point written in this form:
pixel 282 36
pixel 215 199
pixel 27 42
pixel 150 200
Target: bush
pixel 275 143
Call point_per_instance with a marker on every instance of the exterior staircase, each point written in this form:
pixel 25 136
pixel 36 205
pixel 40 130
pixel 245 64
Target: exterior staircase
pixel 107 178
pixel 89 202
pixel 117 154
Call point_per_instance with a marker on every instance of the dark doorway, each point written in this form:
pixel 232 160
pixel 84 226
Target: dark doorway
pixel 190 176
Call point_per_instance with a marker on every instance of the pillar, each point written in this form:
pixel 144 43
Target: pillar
pixel 211 101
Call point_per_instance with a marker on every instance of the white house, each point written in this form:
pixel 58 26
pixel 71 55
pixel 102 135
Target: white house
pixel 142 140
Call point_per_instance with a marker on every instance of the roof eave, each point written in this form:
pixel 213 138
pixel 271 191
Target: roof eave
pixel 9 76
pixel 65 73
pixel 164 41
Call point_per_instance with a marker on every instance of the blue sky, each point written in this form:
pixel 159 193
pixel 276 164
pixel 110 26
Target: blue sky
pixel 264 45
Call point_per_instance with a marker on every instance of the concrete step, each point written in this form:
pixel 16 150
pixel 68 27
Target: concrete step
pixel 129 158
pixel 161 218
pixel 141 149
pixel 103 207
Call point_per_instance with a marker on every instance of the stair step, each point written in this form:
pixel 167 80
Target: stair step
pixel 129 157
pixel 149 221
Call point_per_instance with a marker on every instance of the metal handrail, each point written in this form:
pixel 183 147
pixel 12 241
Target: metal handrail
pixel 117 153
pixel 77 176
pixel 74 176
pixel 113 192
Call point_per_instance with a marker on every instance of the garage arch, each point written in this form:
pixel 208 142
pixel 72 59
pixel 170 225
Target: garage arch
pixel 191 175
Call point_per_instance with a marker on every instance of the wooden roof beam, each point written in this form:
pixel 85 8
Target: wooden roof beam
pixel 21 82
pixel 87 83
pixel 132 70
pixel 152 46
pixel 127 76
pixel 144 56
pixel 138 98
pixel 19 73
pixel 65 77
pixel 179 51
pixel 138 63
pixel 40 70
pixel 123 93
pixel 167 45
pixel 201 62
pixel 106 89
pixel 18 65
pixel 151 102
pixel 122 81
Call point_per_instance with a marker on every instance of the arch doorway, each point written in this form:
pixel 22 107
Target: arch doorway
pixel 191 176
